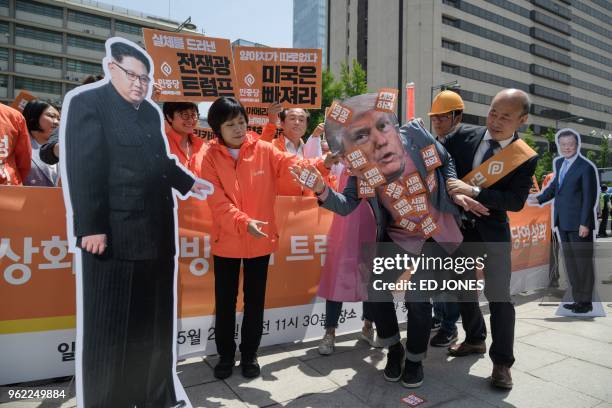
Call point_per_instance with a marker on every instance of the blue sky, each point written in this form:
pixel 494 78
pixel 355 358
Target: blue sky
pixel 267 22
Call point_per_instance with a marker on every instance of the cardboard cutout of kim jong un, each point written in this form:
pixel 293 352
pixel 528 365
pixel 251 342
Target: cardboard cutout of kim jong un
pixel 575 191
pixel 120 189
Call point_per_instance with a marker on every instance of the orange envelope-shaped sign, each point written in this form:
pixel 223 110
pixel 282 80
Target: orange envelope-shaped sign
pixel 291 76
pixel 190 67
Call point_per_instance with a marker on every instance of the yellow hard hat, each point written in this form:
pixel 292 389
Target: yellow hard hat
pixel 445 102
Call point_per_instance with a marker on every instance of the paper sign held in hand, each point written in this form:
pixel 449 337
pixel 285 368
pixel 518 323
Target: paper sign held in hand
pixel 386 100
pixel 365 190
pixel 431 157
pixel 339 113
pixel 308 178
pixel 374 176
pixel 414 184
pixel 356 159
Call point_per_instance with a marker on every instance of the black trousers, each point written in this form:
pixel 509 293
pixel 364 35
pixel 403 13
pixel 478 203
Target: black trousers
pixel 418 305
pixel 128 314
pixel 497 273
pixel 578 257
pixel 227 274
pixel 603 227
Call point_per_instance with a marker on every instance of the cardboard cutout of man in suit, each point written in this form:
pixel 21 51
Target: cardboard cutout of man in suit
pixel 575 193
pixel 470 147
pixel 120 188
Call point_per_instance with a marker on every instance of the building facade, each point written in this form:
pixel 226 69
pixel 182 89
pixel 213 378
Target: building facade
pixel 310 25
pixel 559 51
pixel 49 47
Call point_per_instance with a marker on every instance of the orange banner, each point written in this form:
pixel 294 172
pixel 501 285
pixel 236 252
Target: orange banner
pixel 291 76
pixel 190 67
pixel 37 280
pixel 530 230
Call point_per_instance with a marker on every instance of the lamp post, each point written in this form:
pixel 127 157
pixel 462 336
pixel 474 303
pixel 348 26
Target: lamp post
pixel 186 24
pixel 453 85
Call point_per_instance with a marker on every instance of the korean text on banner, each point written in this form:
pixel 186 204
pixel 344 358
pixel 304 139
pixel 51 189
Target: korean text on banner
pixel 190 67
pixel 291 76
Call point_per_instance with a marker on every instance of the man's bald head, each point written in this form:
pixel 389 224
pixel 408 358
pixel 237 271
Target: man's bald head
pixel 515 96
pixel 509 111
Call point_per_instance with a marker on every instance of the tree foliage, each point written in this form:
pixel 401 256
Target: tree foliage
pixel 353 81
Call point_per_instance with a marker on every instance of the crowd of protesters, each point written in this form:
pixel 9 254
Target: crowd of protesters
pixel 249 170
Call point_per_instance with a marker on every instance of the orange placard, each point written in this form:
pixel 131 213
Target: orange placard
pixel 386 100
pixel 190 67
pixel 365 190
pixel 291 76
pixel 338 113
pixel 204 133
pixel 22 100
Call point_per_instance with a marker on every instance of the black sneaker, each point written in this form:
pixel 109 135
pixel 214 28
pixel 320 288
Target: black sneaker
pixel 443 339
pixel 395 358
pixel 250 367
pixel 224 368
pixel 412 376
pixel 435 324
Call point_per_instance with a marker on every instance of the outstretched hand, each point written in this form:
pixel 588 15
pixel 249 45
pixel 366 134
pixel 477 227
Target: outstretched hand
pixel 202 189
pixel 471 205
pixel 314 180
pixel 254 228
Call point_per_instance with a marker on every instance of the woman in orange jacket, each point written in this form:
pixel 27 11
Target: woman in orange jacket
pixel 244 171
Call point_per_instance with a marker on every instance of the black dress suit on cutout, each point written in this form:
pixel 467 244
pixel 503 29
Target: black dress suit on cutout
pixel 120 181
pixel 508 194
pixel 575 199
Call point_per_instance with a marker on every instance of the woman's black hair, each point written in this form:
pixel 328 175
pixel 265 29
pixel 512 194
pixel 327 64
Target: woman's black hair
pixel 224 109
pixel 170 108
pixel 32 113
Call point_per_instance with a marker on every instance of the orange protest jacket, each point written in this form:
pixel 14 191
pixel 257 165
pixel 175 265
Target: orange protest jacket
pixel 197 144
pixel 245 189
pixel 287 185
pixel 15 147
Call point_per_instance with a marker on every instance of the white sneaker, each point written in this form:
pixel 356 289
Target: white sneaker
pixel 326 347
pixel 367 334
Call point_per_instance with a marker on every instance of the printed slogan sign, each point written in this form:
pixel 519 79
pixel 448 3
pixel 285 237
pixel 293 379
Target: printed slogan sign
pixel 291 76
pixel 190 67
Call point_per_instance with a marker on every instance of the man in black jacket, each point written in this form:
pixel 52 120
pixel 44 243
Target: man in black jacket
pixel 470 147
pixel 118 189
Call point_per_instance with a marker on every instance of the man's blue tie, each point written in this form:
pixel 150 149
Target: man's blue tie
pixel 563 171
pixel 493 145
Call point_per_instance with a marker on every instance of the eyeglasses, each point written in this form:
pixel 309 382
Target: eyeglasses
pixel 441 118
pixel 132 77
pixel 186 116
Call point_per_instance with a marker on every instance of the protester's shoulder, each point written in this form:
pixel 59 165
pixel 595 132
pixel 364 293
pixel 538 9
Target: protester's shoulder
pixel 462 131
pixel 11 115
pixel 84 99
pixel 415 131
pixel 9 111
